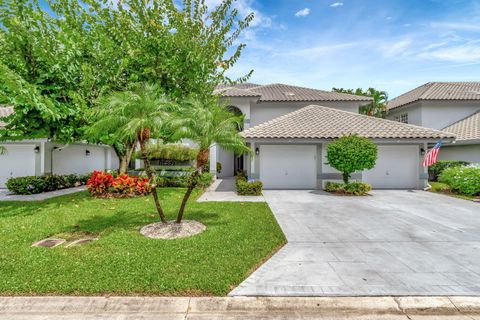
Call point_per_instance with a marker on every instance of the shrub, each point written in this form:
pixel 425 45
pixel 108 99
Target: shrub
pixel 352 188
pixel 464 180
pixel 103 184
pixel 435 170
pixel 181 181
pixel 34 184
pixel 350 154
pixel 174 152
pixel 248 188
pixel 206 167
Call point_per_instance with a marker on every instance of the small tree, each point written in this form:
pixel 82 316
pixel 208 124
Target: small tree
pixel 207 123
pixel 137 115
pixel 350 154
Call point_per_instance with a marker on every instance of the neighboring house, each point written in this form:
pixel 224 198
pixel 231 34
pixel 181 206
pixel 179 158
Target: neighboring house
pixel 40 156
pixel 449 106
pixel 290 127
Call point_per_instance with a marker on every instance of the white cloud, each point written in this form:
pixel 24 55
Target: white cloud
pixel 244 8
pixel 302 13
pixel 388 18
pixel 336 4
pixel 461 53
pixel 396 48
pixel 456 26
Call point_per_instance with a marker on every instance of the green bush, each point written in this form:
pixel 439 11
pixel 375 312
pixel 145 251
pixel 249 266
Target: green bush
pixel 435 170
pixel 34 184
pixel 206 167
pixel 174 152
pixel 248 188
pixel 352 188
pixel 464 180
pixel 181 181
pixel 350 154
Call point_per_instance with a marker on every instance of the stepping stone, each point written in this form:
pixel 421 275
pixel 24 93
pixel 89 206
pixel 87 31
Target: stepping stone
pixel 49 243
pixel 80 242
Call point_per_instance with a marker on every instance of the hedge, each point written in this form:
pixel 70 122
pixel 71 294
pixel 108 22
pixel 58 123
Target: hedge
pixel 39 184
pixel 174 152
pixel 352 188
pixel 181 181
pixel 435 170
pixel 248 188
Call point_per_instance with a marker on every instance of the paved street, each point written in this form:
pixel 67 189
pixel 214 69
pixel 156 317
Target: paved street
pixel 390 243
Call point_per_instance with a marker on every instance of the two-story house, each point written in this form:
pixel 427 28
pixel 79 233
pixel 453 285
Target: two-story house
pixel 449 106
pixel 288 128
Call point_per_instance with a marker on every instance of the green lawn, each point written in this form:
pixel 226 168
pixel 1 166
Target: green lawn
pixel 439 187
pixel 239 236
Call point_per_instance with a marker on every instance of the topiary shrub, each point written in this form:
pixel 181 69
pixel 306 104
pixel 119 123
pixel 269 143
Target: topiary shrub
pixel 464 180
pixel 352 153
pixel 248 188
pixel 436 169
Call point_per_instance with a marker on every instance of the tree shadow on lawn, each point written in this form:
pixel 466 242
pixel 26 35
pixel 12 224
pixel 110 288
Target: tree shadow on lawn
pixel 131 220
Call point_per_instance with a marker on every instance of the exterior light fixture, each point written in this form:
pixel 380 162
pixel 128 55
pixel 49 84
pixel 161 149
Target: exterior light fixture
pixel 257 151
pixel 422 151
pixel 87 153
pixel 36 149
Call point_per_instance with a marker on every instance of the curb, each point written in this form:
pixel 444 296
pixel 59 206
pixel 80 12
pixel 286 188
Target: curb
pixel 242 305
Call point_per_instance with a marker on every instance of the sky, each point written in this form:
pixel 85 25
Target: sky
pixel 391 45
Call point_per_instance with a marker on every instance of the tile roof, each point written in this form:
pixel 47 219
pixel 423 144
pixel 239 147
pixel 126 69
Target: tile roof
pixel 467 128
pixel 284 92
pixel 318 122
pixel 5 111
pixel 246 85
pixel 438 91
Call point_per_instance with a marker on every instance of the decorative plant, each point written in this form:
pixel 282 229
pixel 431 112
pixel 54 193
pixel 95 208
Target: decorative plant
pixel 99 183
pixel 206 122
pixel 352 153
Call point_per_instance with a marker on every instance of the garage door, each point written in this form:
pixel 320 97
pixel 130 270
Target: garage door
pixel 288 166
pixel 19 160
pixel 396 168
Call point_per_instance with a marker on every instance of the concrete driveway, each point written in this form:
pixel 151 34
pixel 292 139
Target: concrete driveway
pixel 390 243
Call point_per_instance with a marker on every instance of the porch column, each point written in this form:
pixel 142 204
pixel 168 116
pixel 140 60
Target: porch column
pixel 42 158
pixel 423 178
pixel 253 174
pixel 213 159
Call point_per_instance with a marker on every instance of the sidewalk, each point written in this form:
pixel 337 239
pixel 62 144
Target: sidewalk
pixel 36 308
pixel 5 195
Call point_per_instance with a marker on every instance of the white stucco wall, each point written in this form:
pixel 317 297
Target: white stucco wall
pixel 266 111
pixel 436 114
pixel 470 153
pixel 414 113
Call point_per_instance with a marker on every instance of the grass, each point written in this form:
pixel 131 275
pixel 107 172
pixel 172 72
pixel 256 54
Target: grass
pixel 439 187
pixel 238 237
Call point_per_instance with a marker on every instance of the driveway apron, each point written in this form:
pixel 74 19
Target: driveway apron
pixel 393 242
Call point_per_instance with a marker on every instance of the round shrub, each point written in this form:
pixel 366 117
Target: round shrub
pixel 464 180
pixel 352 153
pixel 436 169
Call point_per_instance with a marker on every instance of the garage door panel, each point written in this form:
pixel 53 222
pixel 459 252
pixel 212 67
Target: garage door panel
pixel 396 168
pixel 19 160
pixel 288 166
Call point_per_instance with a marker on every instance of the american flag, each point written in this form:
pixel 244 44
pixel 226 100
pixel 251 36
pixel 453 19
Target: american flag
pixel 431 156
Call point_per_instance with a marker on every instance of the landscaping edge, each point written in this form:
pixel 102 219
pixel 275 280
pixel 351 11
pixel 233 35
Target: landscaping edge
pixel 446 305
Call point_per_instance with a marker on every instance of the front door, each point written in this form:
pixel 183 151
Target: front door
pixel 238 165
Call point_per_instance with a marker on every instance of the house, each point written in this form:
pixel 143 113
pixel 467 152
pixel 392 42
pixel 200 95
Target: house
pixel 41 156
pixel 449 106
pixel 290 127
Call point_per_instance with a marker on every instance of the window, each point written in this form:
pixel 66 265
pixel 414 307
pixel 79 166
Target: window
pixel 403 118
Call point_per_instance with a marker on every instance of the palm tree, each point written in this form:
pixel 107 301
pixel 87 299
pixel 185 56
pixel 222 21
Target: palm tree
pixel 378 106
pixel 137 115
pixel 207 123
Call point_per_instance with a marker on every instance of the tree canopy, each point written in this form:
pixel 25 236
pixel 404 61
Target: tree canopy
pixel 60 56
pixel 376 108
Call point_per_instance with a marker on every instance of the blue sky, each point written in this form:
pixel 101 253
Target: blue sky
pixel 393 45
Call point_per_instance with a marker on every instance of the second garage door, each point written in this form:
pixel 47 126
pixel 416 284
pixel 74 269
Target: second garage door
pixel 288 166
pixel 18 160
pixel 396 168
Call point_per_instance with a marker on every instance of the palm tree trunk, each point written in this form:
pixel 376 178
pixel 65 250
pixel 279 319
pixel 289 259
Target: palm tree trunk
pixel 151 177
pixel 202 158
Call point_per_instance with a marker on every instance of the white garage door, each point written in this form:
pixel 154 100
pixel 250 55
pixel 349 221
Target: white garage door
pixel 288 166
pixel 396 168
pixel 19 160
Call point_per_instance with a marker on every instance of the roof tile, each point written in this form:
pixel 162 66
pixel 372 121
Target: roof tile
pixel 467 128
pixel 318 122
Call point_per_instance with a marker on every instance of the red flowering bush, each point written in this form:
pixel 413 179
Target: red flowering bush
pixel 99 183
pixel 103 184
